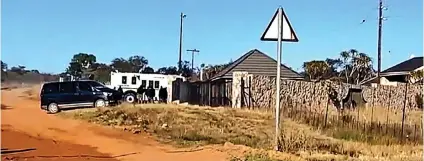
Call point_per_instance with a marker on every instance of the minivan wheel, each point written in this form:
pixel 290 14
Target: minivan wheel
pixel 53 108
pixel 130 98
pixel 100 103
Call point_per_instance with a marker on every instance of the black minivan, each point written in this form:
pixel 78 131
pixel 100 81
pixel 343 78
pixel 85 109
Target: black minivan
pixel 70 94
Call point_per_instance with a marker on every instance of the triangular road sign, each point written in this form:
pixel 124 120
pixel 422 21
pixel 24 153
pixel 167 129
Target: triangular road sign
pixel 271 32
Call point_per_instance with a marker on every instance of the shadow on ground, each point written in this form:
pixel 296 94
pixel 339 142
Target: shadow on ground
pixel 4 107
pixel 12 151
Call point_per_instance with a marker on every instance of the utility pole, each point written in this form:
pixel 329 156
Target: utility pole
pixel 380 26
pixel 193 51
pixel 182 16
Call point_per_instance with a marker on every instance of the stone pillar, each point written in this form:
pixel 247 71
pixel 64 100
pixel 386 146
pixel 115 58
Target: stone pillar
pixel 236 89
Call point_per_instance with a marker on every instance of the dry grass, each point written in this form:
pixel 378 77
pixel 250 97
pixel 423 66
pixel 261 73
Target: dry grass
pixel 187 126
pixel 347 127
pixel 383 115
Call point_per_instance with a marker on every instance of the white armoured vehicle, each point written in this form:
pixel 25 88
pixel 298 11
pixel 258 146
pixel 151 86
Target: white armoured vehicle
pixel 130 82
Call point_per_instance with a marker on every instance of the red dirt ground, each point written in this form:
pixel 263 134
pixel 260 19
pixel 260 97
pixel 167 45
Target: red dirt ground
pixel 20 146
pixel 24 126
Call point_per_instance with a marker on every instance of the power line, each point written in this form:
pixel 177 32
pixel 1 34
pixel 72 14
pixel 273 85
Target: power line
pixel 193 51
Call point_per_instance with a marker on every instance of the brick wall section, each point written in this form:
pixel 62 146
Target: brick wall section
pixel 305 94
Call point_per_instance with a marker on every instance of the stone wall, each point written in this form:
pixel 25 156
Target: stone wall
pixel 393 96
pixel 316 94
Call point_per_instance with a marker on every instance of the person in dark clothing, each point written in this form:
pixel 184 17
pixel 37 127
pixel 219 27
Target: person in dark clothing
pixel 121 91
pixel 150 94
pixel 140 93
pixel 153 94
pixel 163 94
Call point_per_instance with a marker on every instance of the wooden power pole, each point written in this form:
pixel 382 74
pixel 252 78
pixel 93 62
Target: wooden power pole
pixel 193 51
pixel 380 26
pixel 182 16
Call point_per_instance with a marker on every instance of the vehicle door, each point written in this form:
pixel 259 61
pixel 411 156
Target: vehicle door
pixel 49 93
pixel 87 94
pixel 67 96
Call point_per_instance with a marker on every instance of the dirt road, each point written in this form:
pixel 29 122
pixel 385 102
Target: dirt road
pixel 49 137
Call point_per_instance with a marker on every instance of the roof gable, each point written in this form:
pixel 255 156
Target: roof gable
pixel 257 63
pixel 406 66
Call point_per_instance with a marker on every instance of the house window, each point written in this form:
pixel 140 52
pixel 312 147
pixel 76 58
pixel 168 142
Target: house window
pixel 156 84
pixel 124 79
pixel 134 80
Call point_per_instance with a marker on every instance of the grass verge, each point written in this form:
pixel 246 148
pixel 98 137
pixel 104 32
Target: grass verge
pixel 188 126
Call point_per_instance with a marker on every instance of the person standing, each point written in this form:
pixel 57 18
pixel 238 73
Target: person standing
pixel 149 93
pixel 153 95
pixel 161 94
pixel 140 93
pixel 165 95
pixel 121 91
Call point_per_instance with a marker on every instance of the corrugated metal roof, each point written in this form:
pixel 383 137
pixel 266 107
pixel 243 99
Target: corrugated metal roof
pixel 257 63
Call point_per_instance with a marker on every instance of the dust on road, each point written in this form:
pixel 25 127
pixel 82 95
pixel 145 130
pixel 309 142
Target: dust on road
pixel 22 120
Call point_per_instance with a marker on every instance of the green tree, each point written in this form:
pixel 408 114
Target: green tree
pixel 84 59
pixel 209 71
pixel 3 71
pixel 148 70
pixel 171 70
pixel 74 69
pixel 356 66
pixel 101 72
pixel 316 70
pixel 133 64
pixel 416 76
pixel 186 70
pixel 19 69
pixel 3 66
pixel 80 63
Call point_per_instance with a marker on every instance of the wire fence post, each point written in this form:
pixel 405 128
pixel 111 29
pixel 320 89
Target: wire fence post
pixel 326 112
pixel 403 111
pixel 372 107
pixel 415 132
pixel 388 107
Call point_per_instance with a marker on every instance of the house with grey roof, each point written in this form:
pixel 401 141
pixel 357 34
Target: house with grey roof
pixel 257 63
pixel 218 89
pixel 398 73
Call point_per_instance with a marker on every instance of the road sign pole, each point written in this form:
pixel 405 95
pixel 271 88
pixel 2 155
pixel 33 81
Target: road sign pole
pixel 277 93
pixel 279 29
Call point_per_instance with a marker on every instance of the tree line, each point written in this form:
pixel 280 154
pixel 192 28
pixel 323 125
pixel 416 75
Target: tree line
pixel 20 74
pixel 351 67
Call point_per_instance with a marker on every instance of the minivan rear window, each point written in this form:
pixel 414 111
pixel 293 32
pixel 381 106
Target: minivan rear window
pixel 50 88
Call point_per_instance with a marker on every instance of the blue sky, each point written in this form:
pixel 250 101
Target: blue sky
pixel 45 34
